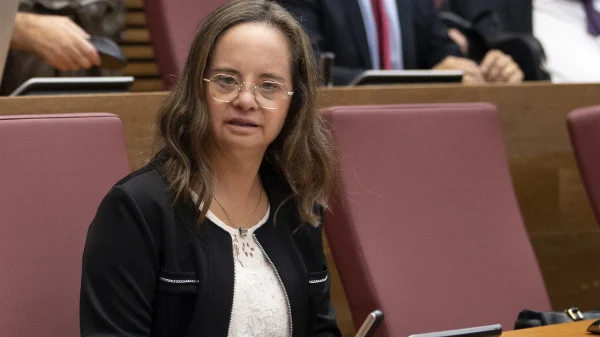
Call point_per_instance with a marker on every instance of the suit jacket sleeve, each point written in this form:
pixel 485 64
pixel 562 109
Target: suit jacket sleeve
pixel 492 17
pixel 309 14
pixel 485 12
pixel 326 325
pixel 432 35
pixel 120 270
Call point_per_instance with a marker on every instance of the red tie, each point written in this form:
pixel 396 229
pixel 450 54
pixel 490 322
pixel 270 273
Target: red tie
pixel 383 36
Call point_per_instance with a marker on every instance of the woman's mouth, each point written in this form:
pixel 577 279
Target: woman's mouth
pixel 242 122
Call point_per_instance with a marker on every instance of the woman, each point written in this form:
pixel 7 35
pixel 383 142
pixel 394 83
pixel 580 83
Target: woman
pixel 220 234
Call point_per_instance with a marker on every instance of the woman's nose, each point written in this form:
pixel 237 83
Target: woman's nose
pixel 246 98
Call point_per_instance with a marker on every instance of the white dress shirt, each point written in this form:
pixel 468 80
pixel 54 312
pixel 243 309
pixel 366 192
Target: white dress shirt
pixel 573 55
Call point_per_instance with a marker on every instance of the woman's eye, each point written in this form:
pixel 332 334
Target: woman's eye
pixel 227 81
pixel 269 86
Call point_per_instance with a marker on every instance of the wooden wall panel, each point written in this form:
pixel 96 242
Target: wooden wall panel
pixel 138 52
pixel 135 19
pixel 136 35
pixel 134 4
pixel 137 47
pixel 557 214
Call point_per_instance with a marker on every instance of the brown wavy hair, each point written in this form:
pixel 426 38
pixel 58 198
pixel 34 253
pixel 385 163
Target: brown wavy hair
pixel 303 150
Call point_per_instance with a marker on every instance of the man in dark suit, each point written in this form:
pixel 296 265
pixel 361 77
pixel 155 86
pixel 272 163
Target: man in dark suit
pixel 345 28
pixel 494 17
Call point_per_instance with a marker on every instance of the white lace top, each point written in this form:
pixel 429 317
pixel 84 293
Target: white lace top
pixel 259 302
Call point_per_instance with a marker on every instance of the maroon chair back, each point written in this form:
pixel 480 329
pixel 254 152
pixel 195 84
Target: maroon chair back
pixel 425 224
pixel 584 131
pixel 172 25
pixel 55 171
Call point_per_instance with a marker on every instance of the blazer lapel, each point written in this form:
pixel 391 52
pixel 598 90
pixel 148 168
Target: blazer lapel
pixel 184 210
pixel 277 243
pixel 407 32
pixel 357 28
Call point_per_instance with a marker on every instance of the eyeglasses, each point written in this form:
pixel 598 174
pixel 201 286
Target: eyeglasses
pixel 268 94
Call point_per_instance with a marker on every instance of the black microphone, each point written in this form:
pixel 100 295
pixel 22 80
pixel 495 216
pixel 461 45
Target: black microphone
pixel 326 64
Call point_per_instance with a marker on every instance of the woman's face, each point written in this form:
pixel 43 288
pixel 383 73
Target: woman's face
pixel 252 54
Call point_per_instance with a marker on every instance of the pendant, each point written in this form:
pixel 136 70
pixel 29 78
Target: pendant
pixel 243 232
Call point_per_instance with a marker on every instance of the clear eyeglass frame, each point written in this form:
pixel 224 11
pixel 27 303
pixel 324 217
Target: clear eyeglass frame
pixel 239 85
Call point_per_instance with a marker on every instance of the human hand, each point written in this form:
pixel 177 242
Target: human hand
pixel 472 73
pixel 55 39
pixel 500 68
pixel 460 39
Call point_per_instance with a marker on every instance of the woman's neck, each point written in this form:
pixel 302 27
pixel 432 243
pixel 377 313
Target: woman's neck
pixel 236 176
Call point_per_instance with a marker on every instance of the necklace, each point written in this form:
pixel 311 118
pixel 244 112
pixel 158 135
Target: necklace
pixel 243 230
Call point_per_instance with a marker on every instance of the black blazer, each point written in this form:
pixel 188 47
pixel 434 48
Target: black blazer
pixel 337 26
pixel 148 270
pixel 494 17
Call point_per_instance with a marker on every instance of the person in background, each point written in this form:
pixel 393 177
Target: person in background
pixel 569 30
pixel 220 234
pixel 494 17
pixel 50 39
pixel 392 34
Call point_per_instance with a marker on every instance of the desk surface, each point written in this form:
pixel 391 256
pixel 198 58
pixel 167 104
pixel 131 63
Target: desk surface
pixel 558 330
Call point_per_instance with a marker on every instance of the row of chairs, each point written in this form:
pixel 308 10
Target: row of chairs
pixel 424 225
pixel 427 226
